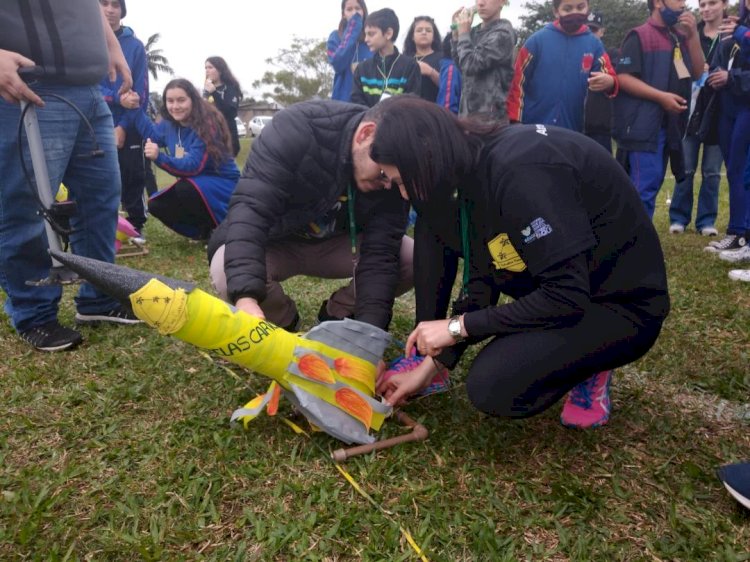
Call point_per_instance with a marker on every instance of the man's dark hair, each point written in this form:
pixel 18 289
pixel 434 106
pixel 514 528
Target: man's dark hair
pixel 384 19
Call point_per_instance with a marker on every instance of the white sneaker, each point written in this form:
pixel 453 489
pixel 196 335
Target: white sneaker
pixel 736 256
pixel 676 228
pixel 740 275
pixel 709 231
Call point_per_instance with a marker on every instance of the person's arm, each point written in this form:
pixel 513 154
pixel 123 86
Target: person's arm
pixel 340 50
pixel 192 162
pixel 494 49
pixel 603 77
pixel 228 103
pixel 522 74
pixel 117 62
pixel 137 98
pixel 12 88
pixel 260 197
pixel 688 25
pixel 413 79
pixel 636 87
pixel 138 119
pixel 742 36
pixel 358 95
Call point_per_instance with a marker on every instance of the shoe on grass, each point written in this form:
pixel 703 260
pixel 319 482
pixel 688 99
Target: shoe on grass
pixel 736 479
pixel 729 242
pixel 119 315
pixel 676 228
pixel 709 231
pixel 587 403
pixel 51 336
pixel 403 364
pixel 736 256
pixel 740 275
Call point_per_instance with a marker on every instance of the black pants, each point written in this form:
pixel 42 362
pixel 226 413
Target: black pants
pixel 182 209
pixel 132 174
pixel 523 374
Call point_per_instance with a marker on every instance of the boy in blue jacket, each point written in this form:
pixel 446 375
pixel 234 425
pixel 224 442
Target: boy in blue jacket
pixel 129 142
pixel 556 68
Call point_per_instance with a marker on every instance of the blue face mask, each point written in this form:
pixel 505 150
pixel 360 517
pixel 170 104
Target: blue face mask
pixel 670 16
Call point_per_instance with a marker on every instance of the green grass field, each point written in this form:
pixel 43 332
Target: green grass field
pixel 122 449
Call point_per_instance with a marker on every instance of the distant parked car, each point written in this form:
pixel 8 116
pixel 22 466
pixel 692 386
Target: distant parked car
pixel 241 129
pixel 257 123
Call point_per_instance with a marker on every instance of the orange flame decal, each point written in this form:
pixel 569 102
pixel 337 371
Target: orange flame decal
pixel 315 368
pixel 352 370
pixel 273 404
pixel 354 405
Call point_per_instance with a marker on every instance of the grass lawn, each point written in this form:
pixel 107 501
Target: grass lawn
pixel 122 449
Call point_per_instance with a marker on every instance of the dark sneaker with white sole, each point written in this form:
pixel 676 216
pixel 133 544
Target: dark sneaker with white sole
pixel 51 336
pixel 119 315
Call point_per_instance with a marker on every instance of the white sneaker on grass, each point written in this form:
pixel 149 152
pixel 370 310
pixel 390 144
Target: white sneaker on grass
pixel 736 256
pixel 709 231
pixel 676 228
pixel 740 275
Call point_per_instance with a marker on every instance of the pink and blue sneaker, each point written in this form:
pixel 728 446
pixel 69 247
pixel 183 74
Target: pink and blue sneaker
pixel 587 404
pixel 405 364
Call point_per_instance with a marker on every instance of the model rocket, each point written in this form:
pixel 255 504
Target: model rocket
pixel 328 373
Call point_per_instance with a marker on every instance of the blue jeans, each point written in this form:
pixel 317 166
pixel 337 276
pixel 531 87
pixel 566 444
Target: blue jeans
pixel 734 139
pixel 647 171
pixel 708 197
pixel 94 183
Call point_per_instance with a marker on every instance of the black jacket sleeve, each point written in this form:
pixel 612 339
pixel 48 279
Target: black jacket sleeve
pixel 560 298
pixel 378 268
pixel 260 197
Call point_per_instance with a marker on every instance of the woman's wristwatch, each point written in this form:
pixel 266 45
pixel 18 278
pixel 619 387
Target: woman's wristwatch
pixel 454 328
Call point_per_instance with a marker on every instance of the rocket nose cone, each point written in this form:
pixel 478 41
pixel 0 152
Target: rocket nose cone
pixel 115 280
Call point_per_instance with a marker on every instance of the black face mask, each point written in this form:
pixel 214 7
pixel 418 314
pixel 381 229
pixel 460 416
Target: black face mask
pixel 572 22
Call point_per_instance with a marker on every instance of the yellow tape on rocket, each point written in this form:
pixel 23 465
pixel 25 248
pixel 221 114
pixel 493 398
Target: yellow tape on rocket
pixel 314 375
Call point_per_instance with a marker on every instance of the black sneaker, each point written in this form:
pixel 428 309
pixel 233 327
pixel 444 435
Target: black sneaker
pixel 729 242
pixel 51 337
pixel 119 315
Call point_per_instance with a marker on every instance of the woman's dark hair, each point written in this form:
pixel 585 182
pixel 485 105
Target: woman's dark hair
pixel 204 119
pixel 410 47
pixel 343 22
pixel 224 73
pixel 431 147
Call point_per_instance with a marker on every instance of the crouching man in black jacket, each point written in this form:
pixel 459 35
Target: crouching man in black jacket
pixel 312 202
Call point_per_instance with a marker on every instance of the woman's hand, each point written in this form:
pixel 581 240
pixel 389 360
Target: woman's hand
pixel 397 388
pixel 430 338
pixel 151 150
pixel 209 86
pixel 130 100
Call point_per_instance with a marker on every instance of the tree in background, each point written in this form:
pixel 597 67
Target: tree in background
pixel 157 62
pixel 620 16
pixel 304 73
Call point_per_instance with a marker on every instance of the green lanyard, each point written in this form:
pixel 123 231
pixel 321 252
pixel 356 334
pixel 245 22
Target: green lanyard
pixel 465 246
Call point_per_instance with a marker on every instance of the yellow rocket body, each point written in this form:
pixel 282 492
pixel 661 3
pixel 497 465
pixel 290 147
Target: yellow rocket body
pixel 314 375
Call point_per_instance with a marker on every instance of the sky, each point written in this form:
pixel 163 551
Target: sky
pixel 246 33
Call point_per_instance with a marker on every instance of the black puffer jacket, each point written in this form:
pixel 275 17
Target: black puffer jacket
pixel 297 169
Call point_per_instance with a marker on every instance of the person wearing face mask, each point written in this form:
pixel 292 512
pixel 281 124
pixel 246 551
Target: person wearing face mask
pixel 658 62
pixel 557 67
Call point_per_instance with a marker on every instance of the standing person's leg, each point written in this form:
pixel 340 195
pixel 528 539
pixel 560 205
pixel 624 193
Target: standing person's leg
pixel 681 208
pixel 133 176
pixel 511 378
pixel 94 183
pixel 647 170
pixel 708 197
pixel 734 156
pixel 23 241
